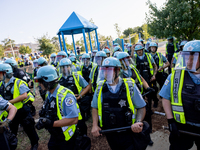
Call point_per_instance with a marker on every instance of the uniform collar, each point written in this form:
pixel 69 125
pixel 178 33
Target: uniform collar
pixel 195 79
pixel 54 93
pixel 10 81
pixel 118 86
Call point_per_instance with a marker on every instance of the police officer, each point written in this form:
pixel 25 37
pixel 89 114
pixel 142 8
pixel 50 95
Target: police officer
pixel 170 49
pixel 98 59
pixel 42 62
pixel 116 49
pixel 115 44
pixel 75 63
pixel 86 68
pixel 17 93
pixel 114 106
pixel 77 84
pixel 107 52
pixel 59 114
pixel 27 62
pixel 53 60
pixel 129 48
pixel 161 62
pixel 17 73
pixel 176 54
pixel 93 54
pixel 181 98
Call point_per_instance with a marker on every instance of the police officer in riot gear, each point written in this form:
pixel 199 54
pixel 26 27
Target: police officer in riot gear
pixel 181 102
pixel 42 62
pixel 162 63
pixel 93 54
pixel 114 106
pixel 107 52
pixel 53 60
pixel 16 92
pixel 116 49
pixel 170 49
pixel 18 73
pixel 77 84
pixel 98 59
pixel 60 112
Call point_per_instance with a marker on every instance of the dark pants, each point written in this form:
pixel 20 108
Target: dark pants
pixel 84 105
pixel 184 141
pixel 160 78
pixel 58 144
pixel 23 117
pixel 169 58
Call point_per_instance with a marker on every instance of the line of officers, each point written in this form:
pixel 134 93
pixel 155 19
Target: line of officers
pixel 113 87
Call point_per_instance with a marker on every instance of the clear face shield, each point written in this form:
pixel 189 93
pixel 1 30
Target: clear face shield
pixel 188 61
pixel 98 60
pixel 53 59
pixel 127 62
pixel 59 57
pixel 108 73
pixel 66 70
pixel 35 64
pixel 86 61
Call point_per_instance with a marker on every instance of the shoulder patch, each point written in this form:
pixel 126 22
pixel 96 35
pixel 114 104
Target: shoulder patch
pixel 166 82
pixel 69 101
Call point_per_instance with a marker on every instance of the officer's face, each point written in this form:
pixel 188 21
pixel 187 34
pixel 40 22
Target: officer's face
pixel 140 52
pixel 42 86
pixel 190 62
pixel 108 55
pixel 1 76
pixel 153 49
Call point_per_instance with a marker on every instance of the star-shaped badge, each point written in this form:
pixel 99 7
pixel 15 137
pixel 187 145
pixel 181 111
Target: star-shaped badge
pixel 122 103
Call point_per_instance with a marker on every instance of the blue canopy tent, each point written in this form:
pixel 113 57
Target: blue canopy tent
pixel 76 24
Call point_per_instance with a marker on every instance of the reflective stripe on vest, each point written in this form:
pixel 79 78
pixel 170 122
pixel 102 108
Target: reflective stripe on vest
pixel 129 84
pixel 138 77
pixel 93 72
pixel 76 79
pixel 177 79
pixel 160 60
pixel 175 48
pixel 68 131
pixel 149 60
pixel 176 55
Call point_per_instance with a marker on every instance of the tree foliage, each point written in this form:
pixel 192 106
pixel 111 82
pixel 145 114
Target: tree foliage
pixel 1 50
pixel 45 45
pixel 179 18
pixel 6 43
pixel 117 30
pixel 55 42
pixel 24 49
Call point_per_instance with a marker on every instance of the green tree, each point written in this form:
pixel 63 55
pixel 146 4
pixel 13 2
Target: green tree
pixel 45 45
pixel 128 31
pixel 145 31
pixel 117 30
pixel 179 18
pixel 6 43
pixel 1 51
pixel 55 42
pixel 10 55
pixel 24 49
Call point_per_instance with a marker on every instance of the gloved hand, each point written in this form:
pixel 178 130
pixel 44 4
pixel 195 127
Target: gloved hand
pixel 4 124
pixel 150 89
pixel 173 127
pixel 44 123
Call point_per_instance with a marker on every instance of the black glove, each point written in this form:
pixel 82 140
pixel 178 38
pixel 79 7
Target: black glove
pixel 150 89
pixel 44 123
pixel 4 124
pixel 173 127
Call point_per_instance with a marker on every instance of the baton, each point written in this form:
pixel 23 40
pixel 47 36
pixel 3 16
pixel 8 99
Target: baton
pixel 184 132
pixel 146 93
pixel 122 129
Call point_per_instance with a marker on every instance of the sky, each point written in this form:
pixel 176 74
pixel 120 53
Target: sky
pixel 26 20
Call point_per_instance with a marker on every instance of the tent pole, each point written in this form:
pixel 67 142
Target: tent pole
pixel 60 43
pixel 74 44
pixel 64 43
pixel 97 39
pixel 90 41
pixel 83 30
